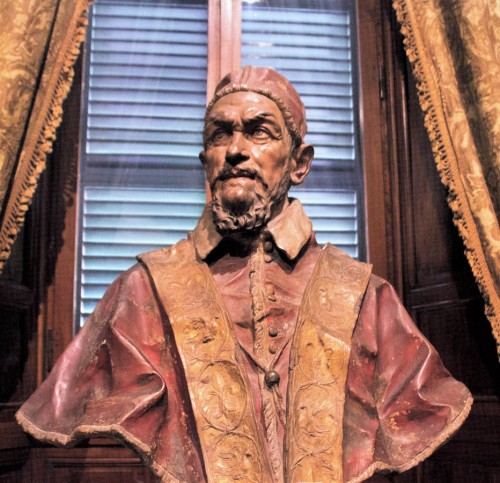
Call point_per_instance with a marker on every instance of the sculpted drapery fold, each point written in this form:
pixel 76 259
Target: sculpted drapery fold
pixel 39 43
pixel 453 47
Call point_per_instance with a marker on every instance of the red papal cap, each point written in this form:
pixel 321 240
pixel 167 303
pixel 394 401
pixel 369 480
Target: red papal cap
pixel 269 83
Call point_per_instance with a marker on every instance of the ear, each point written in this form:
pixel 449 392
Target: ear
pixel 203 158
pixel 301 163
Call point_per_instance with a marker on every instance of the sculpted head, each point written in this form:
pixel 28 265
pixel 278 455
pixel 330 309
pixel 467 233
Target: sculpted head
pixel 253 148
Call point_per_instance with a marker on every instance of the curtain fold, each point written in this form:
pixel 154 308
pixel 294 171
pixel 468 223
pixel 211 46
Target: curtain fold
pixel 39 43
pixel 454 48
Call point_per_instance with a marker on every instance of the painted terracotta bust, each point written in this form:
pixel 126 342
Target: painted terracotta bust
pixel 247 352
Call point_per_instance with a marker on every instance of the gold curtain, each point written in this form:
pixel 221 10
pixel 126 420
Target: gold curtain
pixel 39 43
pixel 454 48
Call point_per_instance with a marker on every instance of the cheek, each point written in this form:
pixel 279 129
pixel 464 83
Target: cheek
pixel 213 163
pixel 271 160
pixel 271 156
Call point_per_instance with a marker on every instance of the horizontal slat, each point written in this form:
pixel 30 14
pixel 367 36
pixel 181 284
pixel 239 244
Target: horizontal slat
pixel 149 136
pixel 110 250
pixel 293 17
pixel 158 210
pixel 136 96
pixel 346 226
pixel 163 196
pixel 330 57
pixel 296 75
pixel 128 122
pixel 143 148
pixel 335 115
pixel 184 86
pixel 156 71
pixel 322 126
pixel 311 85
pixel 115 10
pixel 192 59
pixel 319 197
pixel 133 48
pixel 125 23
pixel 334 38
pixel 337 70
pixel 328 101
pixel 111 264
pixel 336 238
pixel 154 110
pixel 151 36
pixel 180 165
pixel 300 30
pixel 100 278
pixel 131 236
pixel 330 139
pixel 322 166
pixel 93 292
pixel 334 154
pixel 143 224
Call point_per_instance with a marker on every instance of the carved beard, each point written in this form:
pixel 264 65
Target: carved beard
pixel 254 211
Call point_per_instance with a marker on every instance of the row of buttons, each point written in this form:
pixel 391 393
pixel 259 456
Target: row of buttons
pixel 273 331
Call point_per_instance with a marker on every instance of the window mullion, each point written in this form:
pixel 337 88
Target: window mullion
pixel 224 40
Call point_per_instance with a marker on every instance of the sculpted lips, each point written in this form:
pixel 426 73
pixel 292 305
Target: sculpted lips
pixel 239 172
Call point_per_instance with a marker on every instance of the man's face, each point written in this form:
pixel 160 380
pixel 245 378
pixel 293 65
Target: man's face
pixel 247 158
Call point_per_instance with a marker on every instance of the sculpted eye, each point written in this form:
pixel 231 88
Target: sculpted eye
pixel 260 133
pixel 218 137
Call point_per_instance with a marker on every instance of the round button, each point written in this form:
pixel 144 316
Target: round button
pixel 268 258
pixel 273 331
pixel 273 348
pixel 272 378
pixel 268 246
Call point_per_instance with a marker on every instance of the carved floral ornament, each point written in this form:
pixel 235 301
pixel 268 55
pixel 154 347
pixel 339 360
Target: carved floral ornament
pixel 453 47
pixel 39 44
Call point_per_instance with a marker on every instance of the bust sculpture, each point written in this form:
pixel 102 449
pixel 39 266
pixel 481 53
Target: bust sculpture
pixel 247 352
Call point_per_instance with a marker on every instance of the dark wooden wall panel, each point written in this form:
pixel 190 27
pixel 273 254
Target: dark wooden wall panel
pixel 99 464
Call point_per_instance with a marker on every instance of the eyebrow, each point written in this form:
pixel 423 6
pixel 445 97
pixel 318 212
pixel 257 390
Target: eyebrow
pixel 259 117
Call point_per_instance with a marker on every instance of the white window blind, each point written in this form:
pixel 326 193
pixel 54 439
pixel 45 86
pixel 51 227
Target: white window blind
pixel 119 223
pixel 313 48
pixel 142 183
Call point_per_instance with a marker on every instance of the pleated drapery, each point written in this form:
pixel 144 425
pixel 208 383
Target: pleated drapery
pixel 39 43
pixel 454 48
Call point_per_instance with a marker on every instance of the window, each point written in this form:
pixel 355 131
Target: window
pixel 312 44
pixel 141 184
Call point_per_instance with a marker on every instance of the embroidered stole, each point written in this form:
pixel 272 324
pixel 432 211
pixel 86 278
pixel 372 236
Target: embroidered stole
pixel 231 442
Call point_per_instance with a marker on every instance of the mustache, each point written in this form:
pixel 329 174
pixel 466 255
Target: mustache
pixel 239 172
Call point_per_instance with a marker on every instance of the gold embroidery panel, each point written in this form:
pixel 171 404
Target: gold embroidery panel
pixel 318 367
pixel 219 391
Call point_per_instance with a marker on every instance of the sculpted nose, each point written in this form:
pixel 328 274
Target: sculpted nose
pixel 237 149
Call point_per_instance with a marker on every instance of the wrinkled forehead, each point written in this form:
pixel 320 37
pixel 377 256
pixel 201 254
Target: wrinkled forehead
pixel 245 106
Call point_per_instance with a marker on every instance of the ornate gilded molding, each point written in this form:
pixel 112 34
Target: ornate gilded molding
pixel 26 162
